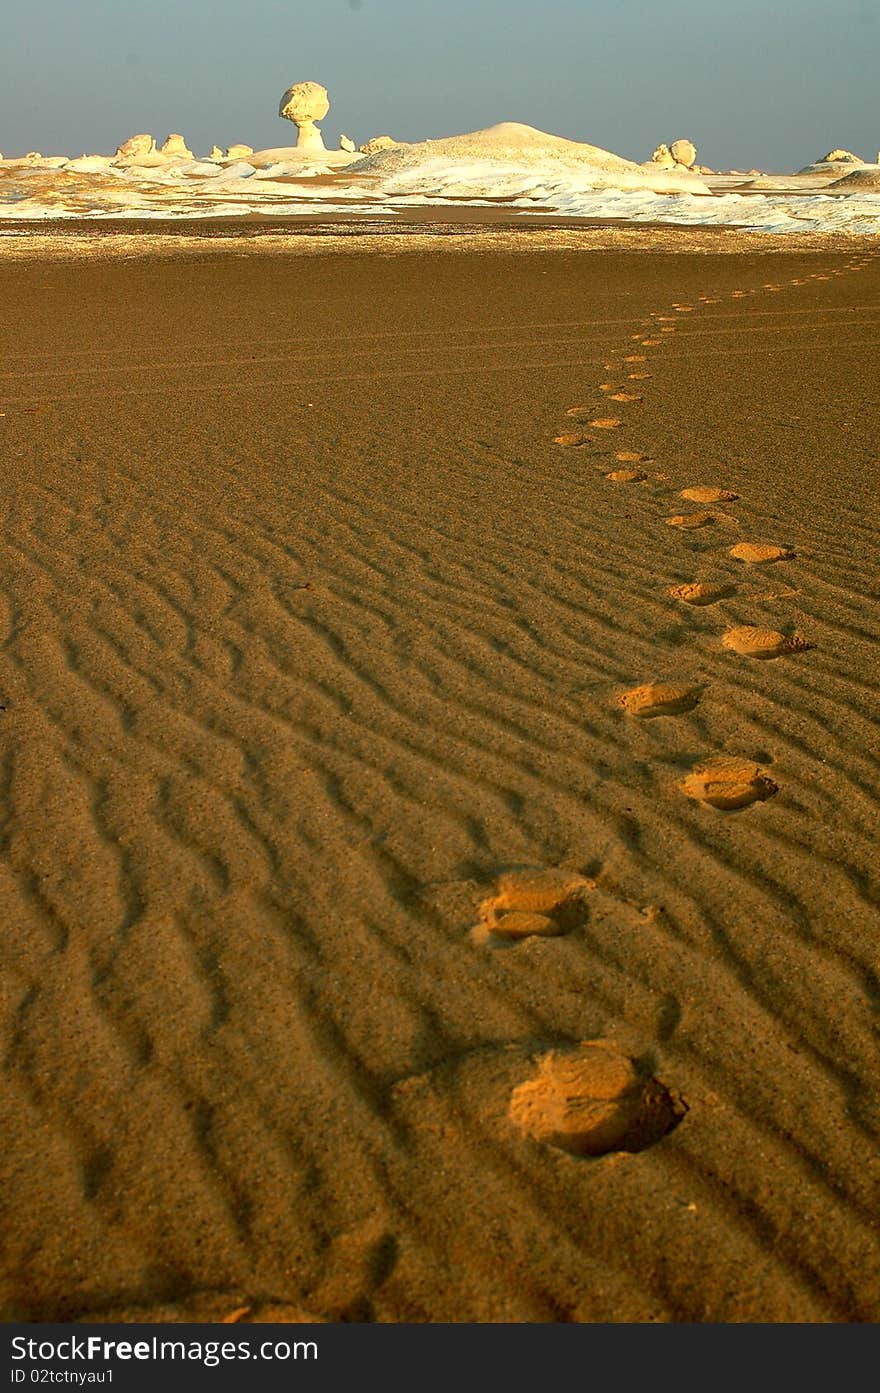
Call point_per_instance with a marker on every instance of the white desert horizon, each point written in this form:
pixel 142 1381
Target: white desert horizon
pixel 510 164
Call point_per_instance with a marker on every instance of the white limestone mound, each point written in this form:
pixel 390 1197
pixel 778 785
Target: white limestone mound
pixel 346 143
pixel 509 158
pixel 838 156
pixel 683 152
pixel 239 152
pixel 377 143
pixel 305 103
pixel 836 161
pixel 216 153
pixel 176 148
pixel 89 164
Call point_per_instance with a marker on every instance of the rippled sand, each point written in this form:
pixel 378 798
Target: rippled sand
pixel 312 635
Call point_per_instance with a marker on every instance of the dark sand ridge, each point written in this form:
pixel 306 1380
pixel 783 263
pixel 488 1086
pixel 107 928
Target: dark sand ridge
pixel 304 647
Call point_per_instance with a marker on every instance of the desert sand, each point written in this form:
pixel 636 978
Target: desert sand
pixel 430 895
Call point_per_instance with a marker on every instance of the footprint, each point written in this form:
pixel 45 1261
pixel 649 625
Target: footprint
pixel 639 376
pixel 753 642
pixel 704 493
pixel 626 476
pixel 755 553
pixel 626 396
pixel 572 438
pixel 683 309
pixel 688 521
pixel 652 343
pixel 660 699
pixel 630 457
pixel 669 330
pixel 606 423
pixel 579 413
pixel 533 902
pixel 592 1098
pixel 728 782
pixel 737 294
pixel 607 386
pixel 701 592
pixel 635 358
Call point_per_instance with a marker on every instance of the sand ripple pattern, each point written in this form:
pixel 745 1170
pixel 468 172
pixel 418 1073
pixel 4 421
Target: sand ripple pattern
pixel 288 690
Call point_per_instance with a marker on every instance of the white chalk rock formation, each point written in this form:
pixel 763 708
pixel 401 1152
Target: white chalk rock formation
pixel 216 153
pixel 378 143
pixel 346 143
pixel 176 148
pixel 239 152
pixel 305 103
pixel 837 156
pixel 134 149
pixel 683 152
pixel 663 157
pixel 504 158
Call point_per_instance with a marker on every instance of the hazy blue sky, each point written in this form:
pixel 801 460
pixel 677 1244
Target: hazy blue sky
pixel 765 82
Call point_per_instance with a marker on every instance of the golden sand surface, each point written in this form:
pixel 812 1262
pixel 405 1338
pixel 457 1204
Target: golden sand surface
pixel 366 954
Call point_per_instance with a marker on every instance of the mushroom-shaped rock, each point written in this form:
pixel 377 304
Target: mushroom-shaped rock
pixel 239 152
pixel 663 156
pixel 136 147
pixel 175 147
pixel 346 143
pixel 378 142
pixel 683 152
pixel 305 103
pixel 593 1099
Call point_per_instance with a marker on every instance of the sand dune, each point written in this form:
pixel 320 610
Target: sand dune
pixel 314 641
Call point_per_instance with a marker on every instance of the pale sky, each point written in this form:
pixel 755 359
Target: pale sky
pixel 771 83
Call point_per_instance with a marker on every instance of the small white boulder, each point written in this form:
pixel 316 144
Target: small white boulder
pixel 683 152
pixel 378 142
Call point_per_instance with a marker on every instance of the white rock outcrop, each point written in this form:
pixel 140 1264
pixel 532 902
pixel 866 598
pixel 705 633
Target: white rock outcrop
pixel 346 143
pixel 136 149
pixel 838 156
pixel 503 159
pixel 216 153
pixel 176 148
pixel 683 152
pixel 662 156
pixel 305 103
pixel 378 142
pixel 239 152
